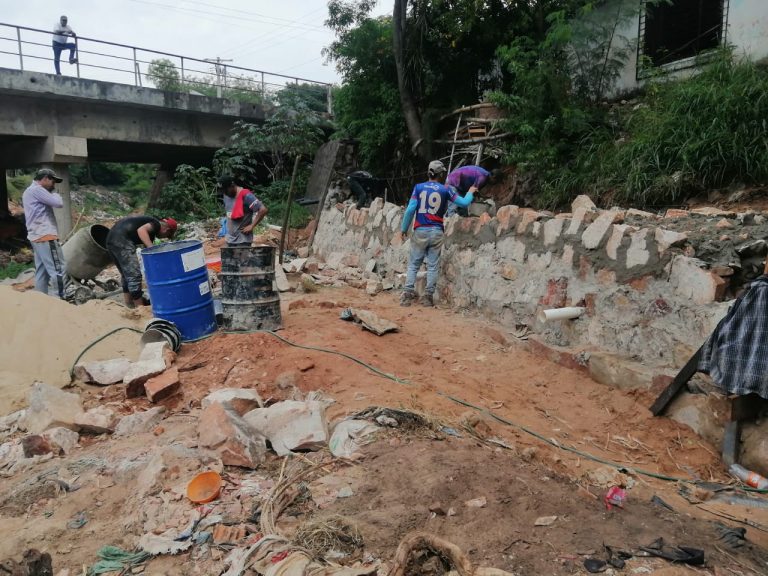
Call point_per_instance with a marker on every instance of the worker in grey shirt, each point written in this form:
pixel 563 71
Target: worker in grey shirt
pixel 39 200
pixel 244 212
pixel 60 34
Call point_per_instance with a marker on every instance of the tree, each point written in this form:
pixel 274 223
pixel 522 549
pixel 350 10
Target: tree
pixel 164 75
pixel 407 101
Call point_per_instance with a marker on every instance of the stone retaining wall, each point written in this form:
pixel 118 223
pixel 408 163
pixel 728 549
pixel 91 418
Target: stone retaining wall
pixel 647 295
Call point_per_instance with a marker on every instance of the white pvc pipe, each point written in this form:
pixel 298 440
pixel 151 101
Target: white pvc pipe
pixel 561 313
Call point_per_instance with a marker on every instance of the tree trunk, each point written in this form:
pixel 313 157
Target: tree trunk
pixel 411 113
pixel 162 177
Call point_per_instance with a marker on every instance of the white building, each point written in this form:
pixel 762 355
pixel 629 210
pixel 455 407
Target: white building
pixel 673 36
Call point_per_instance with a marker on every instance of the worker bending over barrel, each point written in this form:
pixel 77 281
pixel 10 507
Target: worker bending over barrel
pixel 244 212
pixel 123 239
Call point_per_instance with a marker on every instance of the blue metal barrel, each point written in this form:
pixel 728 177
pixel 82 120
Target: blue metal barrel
pixel 179 288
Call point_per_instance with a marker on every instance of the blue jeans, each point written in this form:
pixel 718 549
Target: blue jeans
pixel 58 48
pixel 426 244
pixel 49 265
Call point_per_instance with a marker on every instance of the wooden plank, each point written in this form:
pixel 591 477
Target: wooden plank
pixel 682 378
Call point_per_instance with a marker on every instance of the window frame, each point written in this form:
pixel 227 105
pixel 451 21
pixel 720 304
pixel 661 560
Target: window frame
pixel 643 71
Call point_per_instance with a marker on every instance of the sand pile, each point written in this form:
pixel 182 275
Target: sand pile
pixel 41 336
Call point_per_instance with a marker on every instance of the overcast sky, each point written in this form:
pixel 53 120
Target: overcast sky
pixel 283 36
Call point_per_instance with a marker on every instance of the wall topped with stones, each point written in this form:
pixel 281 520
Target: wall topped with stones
pixel 653 287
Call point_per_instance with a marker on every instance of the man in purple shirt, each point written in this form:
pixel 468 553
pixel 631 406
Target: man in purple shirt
pixel 464 178
pixel 39 200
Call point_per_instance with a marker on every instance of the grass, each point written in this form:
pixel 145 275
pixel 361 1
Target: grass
pixel 684 136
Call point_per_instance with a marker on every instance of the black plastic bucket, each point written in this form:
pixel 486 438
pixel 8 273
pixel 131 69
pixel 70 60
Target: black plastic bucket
pixel 248 298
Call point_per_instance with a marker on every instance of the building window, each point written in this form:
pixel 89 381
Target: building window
pixel 671 32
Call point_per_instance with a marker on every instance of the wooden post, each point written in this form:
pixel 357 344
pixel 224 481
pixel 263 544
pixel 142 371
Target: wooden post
pixel 289 203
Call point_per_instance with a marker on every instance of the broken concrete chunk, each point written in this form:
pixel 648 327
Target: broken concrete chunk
pixel 140 422
pixel 161 387
pixel 241 400
pixel 373 287
pixel 63 440
pixel 35 445
pixel 155 358
pixel 49 407
pixel 99 420
pixel 237 444
pixel 371 265
pixel 291 425
pixel 103 372
pixel 295 265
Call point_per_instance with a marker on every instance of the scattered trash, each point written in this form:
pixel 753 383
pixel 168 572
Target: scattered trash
pixel 155 544
pixel 733 537
pixel 387 421
pixel 748 477
pixel 682 554
pixel 114 559
pixel 595 566
pixel 204 488
pixel 545 520
pixel 476 502
pixel 450 431
pixel 291 425
pixel 78 521
pixel 369 321
pixel 615 497
pixel 351 435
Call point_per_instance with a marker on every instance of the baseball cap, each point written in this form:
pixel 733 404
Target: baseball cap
pixel 436 167
pixel 43 172
pixel 172 225
pixel 225 182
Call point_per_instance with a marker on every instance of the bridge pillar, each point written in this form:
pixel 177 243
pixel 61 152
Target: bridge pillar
pixel 162 177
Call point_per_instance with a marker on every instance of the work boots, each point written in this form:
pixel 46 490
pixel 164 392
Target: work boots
pixel 407 298
pixel 427 300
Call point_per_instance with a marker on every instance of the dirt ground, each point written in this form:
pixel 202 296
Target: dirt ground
pixel 437 355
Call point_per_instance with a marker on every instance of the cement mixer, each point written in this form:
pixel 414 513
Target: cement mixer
pixel 86 256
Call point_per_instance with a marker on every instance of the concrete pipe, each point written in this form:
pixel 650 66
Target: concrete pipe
pixel 86 254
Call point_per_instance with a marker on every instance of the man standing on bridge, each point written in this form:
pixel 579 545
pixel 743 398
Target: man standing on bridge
pixel 60 33
pixel 123 239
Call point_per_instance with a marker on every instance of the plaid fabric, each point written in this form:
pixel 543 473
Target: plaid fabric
pixel 736 354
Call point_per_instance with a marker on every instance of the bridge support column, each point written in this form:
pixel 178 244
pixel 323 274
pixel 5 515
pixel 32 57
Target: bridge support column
pixel 163 176
pixel 63 215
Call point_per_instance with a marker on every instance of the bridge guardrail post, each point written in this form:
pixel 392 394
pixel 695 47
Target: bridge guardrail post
pixel 330 99
pixel 77 60
pixel 21 55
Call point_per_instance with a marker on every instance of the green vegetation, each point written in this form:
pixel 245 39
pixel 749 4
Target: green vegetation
pixel 13 269
pixel 552 66
pixel 16 186
pixel 261 157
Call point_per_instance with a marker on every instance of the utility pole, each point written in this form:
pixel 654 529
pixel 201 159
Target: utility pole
pixel 221 72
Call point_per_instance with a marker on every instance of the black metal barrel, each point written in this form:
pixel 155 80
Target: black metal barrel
pixel 248 298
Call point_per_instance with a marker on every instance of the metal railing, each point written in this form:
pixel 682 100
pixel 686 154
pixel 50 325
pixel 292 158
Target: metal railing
pixel 28 48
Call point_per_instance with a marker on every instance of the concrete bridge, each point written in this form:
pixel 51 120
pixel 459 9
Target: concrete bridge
pixel 54 121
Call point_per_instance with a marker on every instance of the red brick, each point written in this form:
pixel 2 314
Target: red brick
pixel 585 267
pixel 557 293
pixel 606 277
pixel 640 284
pixel 162 386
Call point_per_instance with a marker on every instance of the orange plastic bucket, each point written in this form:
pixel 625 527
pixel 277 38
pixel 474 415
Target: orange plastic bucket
pixel 205 487
pixel 214 264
